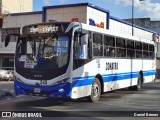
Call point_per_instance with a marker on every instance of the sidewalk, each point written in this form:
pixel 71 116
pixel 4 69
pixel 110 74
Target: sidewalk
pixel 157 80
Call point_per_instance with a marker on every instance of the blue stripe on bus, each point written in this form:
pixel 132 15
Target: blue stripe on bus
pixel 82 81
pixel 145 73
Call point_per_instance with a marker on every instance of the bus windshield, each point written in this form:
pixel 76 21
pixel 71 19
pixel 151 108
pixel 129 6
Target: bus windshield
pixel 42 52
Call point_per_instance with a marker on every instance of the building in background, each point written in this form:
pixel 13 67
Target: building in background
pixel 146 23
pixel 83 12
pixel 7 8
pixel 17 6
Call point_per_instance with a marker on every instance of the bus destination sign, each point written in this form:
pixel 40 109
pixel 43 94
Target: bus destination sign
pixel 43 28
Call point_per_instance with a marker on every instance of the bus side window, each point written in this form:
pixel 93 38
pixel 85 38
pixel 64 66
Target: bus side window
pixel 109 46
pixel 151 51
pixel 138 47
pixel 130 49
pixel 97 45
pixel 145 50
pixel 121 47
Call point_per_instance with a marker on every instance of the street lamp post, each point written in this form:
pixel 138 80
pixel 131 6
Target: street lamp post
pixel 133 15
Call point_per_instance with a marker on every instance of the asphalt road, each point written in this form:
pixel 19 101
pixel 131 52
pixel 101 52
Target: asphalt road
pixel 120 102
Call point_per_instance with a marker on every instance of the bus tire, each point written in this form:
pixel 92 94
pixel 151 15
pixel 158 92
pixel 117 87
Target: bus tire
pixel 139 84
pixel 95 91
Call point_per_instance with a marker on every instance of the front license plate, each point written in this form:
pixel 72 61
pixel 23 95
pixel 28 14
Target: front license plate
pixel 37 90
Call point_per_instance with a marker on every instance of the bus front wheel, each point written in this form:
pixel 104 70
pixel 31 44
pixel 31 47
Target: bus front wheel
pixel 95 91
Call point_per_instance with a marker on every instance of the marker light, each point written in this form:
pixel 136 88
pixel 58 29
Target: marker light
pixel 74 20
pixel 61 90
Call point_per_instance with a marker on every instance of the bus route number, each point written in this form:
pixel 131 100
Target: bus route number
pixel 43 82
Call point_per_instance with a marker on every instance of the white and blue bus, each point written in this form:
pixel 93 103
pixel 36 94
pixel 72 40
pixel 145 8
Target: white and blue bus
pixel 76 60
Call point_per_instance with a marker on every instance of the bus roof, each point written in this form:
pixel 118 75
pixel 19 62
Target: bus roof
pixel 116 34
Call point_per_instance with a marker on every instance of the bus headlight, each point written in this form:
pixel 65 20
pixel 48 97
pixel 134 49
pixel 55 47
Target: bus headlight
pixel 62 81
pixel 17 79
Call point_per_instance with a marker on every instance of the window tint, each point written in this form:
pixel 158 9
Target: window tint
pixel 121 52
pixel 145 51
pixel 97 38
pixel 120 42
pixel 138 47
pixel 120 47
pixel 138 54
pixel 151 51
pixel 151 47
pixel 97 45
pixel 130 44
pixel 109 46
pixel 130 49
pixel 109 41
pixel 145 47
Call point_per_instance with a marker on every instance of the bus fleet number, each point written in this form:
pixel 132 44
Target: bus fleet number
pixel 43 82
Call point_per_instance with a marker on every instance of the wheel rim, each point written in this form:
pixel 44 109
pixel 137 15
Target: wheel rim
pixel 95 90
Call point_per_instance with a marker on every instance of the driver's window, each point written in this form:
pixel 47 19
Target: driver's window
pixel 62 49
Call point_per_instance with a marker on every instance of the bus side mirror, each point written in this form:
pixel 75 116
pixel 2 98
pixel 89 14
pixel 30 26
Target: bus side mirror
pixel 7 40
pixel 9 37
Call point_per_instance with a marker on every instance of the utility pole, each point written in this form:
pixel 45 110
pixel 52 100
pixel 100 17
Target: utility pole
pixel 133 16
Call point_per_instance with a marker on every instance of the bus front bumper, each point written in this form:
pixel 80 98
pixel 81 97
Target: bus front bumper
pixel 58 91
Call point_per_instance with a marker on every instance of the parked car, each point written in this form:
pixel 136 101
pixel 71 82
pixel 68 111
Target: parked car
pixel 6 75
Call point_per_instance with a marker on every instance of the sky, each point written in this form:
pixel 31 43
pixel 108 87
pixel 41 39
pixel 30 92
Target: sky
pixel 118 8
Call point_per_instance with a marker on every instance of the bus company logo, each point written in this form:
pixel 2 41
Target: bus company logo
pixel 6 114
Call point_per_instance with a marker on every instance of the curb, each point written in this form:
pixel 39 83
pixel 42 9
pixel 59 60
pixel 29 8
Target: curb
pixel 157 80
